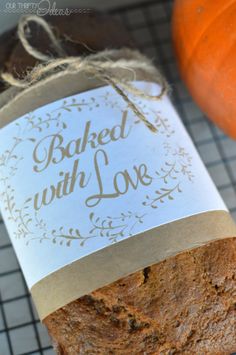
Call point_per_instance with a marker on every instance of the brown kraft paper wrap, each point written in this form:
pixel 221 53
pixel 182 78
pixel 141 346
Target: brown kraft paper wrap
pixel 128 310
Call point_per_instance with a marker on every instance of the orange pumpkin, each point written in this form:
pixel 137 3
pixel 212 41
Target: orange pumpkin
pixel 204 36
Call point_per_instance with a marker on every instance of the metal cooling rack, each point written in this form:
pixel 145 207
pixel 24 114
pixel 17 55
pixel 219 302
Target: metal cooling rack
pixel 149 22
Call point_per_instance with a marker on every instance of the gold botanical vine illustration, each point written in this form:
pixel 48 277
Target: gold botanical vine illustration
pixel 33 228
pixel 176 169
pixel 161 195
pixel 115 227
pixel 39 124
pixel 180 163
pixel 72 103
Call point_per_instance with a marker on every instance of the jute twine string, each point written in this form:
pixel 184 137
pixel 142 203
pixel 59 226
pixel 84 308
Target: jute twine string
pixel 100 65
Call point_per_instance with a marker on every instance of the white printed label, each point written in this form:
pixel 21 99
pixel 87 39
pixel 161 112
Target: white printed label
pixel 84 172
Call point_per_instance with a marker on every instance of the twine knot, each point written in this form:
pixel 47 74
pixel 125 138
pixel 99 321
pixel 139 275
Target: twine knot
pixel 100 65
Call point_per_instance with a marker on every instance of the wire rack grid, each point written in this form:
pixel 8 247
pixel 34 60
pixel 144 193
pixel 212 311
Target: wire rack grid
pixel 149 23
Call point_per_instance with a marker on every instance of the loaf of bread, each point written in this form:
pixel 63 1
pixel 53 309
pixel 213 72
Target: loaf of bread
pixel 183 305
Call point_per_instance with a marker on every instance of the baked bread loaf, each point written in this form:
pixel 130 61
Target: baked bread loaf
pixel 183 305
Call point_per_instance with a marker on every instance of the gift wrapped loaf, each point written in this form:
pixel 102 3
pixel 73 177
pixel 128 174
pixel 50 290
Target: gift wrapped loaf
pixel 185 304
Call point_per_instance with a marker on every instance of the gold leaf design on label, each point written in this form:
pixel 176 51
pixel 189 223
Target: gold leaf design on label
pixel 181 163
pixel 69 236
pixel 115 227
pixel 23 220
pixel 110 100
pixel 19 216
pixel 9 160
pixel 39 123
pixel 69 104
pixel 162 124
pixel 8 199
pixel 161 195
pixel 168 172
pixel 173 169
pixel 179 166
pixel 61 236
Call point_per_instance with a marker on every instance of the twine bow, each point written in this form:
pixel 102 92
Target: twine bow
pixel 99 65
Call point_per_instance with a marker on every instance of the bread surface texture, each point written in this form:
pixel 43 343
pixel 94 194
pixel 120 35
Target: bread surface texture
pixel 183 305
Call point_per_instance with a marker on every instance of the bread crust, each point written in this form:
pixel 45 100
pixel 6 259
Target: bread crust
pixel 183 305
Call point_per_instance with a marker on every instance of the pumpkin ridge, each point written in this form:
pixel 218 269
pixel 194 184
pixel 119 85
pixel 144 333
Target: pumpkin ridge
pixel 223 59
pixel 205 30
pixel 217 68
